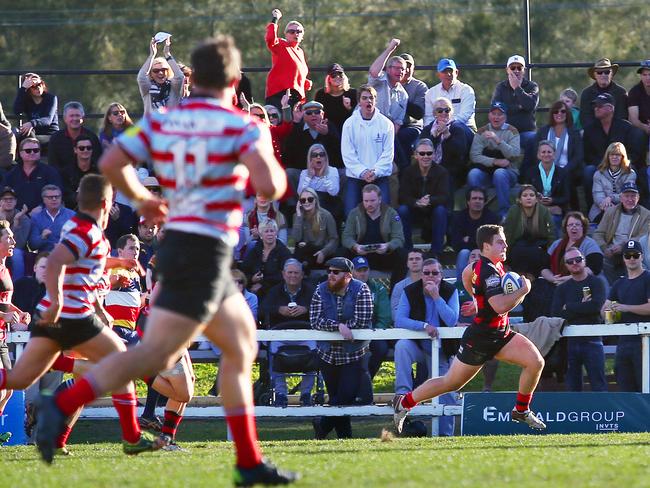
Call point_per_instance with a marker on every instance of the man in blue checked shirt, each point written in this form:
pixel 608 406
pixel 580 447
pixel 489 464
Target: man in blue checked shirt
pixel 426 304
pixel 341 304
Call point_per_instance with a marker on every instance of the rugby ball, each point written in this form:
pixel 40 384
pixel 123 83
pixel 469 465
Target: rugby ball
pixel 510 282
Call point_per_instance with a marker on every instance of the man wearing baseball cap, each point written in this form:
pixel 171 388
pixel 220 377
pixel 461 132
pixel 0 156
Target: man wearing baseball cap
pixel 629 298
pixel 638 101
pixel 604 129
pixel 341 304
pixel 521 96
pixel 462 96
pixel 621 224
pixel 602 72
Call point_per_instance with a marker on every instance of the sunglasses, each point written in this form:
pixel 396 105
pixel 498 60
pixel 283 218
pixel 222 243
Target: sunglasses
pixel 294 31
pixel 312 112
pixel 337 75
pixel 425 153
pixel 335 272
pixel 576 260
pixel 307 200
pixel 159 70
pixel 259 116
pixel 318 154
pixel 274 116
pixel 445 110
pixel 604 72
pixel 84 148
pixel 118 112
pixel 559 111
pixel 632 255
pixel 516 68
pixel 430 273
pixel 32 151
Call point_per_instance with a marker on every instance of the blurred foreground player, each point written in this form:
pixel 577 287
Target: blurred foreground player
pixel 489 336
pixel 196 149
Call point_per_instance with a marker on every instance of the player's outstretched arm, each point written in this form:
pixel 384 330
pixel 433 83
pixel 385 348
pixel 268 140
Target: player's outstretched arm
pixel 504 303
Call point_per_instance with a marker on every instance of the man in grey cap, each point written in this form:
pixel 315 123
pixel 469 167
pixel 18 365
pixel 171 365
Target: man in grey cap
pixel 341 304
pixel 462 96
pixel 314 128
pixel 602 72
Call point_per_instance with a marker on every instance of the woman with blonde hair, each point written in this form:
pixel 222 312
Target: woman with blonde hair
pixel 610 176
pixel 337 97
pixel 116 121
pixel 160 79
pixel 323 179
pixel 314 230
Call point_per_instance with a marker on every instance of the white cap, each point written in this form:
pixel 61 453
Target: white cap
pixel 516 58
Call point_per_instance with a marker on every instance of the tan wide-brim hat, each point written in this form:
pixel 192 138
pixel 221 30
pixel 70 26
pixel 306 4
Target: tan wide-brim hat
pixel 602 63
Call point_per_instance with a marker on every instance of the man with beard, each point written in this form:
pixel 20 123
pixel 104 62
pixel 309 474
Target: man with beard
pixel 341 304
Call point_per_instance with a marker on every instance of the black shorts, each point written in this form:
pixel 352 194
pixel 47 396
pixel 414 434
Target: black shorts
pixel 478 346
pixel 68 333
pixel 5 360
pixel 194 274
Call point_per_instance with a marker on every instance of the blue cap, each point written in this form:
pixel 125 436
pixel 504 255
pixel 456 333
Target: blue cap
pixel 360 262
pixel 629 186
pixel 499 106
pixel 446 63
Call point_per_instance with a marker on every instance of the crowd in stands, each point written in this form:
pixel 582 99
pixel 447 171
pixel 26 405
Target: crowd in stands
pixel 368 166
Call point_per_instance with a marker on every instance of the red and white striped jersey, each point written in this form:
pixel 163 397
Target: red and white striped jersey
pixel 195 149
pixel 85 240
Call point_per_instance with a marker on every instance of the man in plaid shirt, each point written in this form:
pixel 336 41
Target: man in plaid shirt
pixel 341 304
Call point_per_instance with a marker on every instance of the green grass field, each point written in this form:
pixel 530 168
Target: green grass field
pixel 605 460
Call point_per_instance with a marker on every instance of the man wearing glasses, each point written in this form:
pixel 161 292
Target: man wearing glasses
pixel 29 178
pixel 426 304
pixel 579 300
pixel 602 72
pixel 47 224
pixel 621 223
pixel 521 97
pixel 341 304
pixel 629 298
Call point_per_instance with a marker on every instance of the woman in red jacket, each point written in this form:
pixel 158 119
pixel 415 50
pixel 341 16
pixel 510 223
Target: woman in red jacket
pixel 288 64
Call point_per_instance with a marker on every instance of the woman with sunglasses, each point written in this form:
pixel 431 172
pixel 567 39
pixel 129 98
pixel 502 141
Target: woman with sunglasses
pixel 314 231
pixel 116 121
pixel 37 107
pixel 528 227
pixel 160 79
pixel 337 97
pixel 288 64
pixel 450 144
pixel 281 129
pixel 323 179
pixel 613 172
pixel 423 195
pixel 566 140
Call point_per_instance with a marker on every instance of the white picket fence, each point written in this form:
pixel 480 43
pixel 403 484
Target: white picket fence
pixel 433 409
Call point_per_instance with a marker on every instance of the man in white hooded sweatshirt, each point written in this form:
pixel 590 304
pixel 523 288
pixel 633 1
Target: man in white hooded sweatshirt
pixel 367 148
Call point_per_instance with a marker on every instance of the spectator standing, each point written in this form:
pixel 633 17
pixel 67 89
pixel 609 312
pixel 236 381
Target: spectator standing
pixel 461 95
pixel 412 125
pixel 288 63
pixel 37 106
pixel 392 97
pixel 160 79
pixel 426 305
pixel 367 147
pixel 116 121
pixel 521 97
pixel 495 156
pixel 632 296
pixel 338 99
pixel 29 176
pixel 47 224
pixel 579 300
pixel 602 72
pixel 61 153
pixel 341 304
pixel 570 98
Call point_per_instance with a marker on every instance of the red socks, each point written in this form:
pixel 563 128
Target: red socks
pixel 523 402
pixel 79 394
pixel 63 363
pixel 408 402
pixel 170 424
pixel 62 440
pixel 241 422
pixel 125 404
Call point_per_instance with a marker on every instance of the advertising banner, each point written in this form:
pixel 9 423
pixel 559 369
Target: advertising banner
pixel 13 418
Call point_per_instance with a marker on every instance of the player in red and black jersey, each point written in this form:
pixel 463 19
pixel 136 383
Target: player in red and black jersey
pixel 489 336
